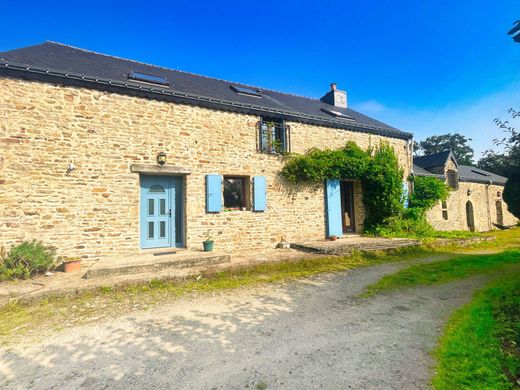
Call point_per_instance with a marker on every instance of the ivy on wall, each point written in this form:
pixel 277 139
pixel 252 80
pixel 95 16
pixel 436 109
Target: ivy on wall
pixel 378 170
pixel 382 182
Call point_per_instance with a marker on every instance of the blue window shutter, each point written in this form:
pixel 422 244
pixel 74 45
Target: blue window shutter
pixel 259 193
pixel 333 196
pixel 406 194
pixel 213 193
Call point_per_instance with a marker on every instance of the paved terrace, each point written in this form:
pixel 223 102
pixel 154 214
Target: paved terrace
pixel 168 264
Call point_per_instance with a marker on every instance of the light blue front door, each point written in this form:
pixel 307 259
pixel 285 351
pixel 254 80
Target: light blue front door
pixel 160 211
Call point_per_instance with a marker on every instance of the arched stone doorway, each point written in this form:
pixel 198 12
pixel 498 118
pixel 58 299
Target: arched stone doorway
pixel 470 219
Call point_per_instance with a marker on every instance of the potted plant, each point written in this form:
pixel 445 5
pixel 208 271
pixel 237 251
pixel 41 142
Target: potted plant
pixel 333 238
pixel 208 244
pixel 71 264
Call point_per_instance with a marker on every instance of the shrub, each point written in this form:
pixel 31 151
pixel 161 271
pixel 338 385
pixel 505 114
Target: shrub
pixel 27 259
pixel 427 191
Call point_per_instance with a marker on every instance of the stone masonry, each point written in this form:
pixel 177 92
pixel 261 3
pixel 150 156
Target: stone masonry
pixel 93 211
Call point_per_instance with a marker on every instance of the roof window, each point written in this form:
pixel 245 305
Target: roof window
pixel 148 78
pixel 337 114
pixel 479 173
pixel 246 91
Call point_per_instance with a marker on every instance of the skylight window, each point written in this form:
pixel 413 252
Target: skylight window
pixel 479 173
pixel 246 91
pixel 148 78
pixel 338 114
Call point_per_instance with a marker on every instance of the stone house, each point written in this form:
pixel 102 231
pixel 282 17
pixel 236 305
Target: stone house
pixel 475 202
pixel 101 155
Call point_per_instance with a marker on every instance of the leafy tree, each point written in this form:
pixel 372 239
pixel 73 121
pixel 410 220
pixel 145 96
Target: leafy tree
pixel 456 142
pixel 506 163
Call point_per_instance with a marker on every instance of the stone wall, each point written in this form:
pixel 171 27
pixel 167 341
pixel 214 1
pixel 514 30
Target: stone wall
pixel 93 211
pixel 482 197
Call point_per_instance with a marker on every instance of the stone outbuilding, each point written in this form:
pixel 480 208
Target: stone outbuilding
pixel 475 202
pixel 101 155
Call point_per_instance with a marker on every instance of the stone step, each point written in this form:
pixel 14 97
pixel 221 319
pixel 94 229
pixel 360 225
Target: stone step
pixel 338 247
pixel 150 264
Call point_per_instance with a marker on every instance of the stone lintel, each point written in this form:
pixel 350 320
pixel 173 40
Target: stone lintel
pixel 155 169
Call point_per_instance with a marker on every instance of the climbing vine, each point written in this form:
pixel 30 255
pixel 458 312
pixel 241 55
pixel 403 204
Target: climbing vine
pixel 377 169
pixel 382 181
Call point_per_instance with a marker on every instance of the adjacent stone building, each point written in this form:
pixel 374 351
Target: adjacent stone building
pixel 475 202
pixel 101 155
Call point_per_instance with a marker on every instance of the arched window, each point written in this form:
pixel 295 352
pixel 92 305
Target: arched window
pixel 156 188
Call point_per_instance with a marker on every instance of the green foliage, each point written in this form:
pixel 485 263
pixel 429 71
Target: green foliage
pixel 427 191
pixel 380 175
pixel 506 162
pixel 27 259
pixel 480 346
pixel 382 187
pixel 455 142
pixel 445 271
pixel 317 165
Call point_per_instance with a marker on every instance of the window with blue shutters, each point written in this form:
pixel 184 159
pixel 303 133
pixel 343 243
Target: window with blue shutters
pixel 259 193
pixel 213 193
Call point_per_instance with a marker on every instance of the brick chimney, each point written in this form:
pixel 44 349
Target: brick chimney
pixel 335 97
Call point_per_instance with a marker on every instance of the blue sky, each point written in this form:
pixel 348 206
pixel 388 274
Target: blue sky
pixel 428 67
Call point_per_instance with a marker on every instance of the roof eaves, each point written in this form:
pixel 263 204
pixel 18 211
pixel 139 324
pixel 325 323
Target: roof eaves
pixel 169 92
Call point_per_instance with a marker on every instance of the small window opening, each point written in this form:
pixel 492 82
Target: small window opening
pixel 444 206
pixel 148 78
pixel 236 192
pixel 246 91
pixel 453 179
pixel 273 136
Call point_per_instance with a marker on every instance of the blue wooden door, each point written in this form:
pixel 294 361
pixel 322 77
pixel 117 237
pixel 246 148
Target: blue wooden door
pixel 159 217
pixel 333 203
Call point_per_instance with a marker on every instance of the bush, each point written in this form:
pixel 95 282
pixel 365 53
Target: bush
pixel 427 191
pixel 27 259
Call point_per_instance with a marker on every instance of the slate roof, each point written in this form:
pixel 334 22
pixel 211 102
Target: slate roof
pixel 434 160
pixel 417 170
pixel 474 174
pixel 466 172
pixel 55 62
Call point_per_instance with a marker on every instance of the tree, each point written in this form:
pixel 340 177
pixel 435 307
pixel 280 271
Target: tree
pixel 455 142
pixel 506 163
pixel 515 31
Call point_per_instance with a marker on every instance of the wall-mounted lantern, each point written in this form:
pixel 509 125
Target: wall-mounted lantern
pixel 161 158
pixel 469 192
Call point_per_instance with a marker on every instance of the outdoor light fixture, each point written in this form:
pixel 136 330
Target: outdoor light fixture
pixel 498 194
pixel 469 192
pixel 161 158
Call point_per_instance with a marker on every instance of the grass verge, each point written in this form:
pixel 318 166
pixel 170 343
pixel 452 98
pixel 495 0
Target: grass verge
pixel 19 320
pixel 480 347
pixel 444 271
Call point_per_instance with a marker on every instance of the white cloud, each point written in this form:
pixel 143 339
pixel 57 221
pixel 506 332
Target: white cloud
pixel 474 118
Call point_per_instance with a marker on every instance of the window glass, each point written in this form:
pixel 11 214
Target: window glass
pixel 150 206
pixel 234 192
pixel 156 188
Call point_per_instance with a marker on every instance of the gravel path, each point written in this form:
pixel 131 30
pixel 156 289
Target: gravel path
pixel 305 335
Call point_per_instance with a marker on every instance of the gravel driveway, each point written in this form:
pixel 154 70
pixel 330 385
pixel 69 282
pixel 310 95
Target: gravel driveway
pixel 311 334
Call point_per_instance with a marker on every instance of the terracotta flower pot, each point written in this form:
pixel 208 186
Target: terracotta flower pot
pixel 71 266
pixel 333 238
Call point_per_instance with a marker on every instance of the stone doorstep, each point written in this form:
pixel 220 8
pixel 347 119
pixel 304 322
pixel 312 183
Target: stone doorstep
pixel 344 247
pixel 151 264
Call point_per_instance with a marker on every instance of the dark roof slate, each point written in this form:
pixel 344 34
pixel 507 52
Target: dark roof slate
pixel 50 59
pixel 474 174
pixel 433 160
pixel 466 172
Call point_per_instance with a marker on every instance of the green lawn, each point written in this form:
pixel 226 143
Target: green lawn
pixel 480 348
pixel 444 271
